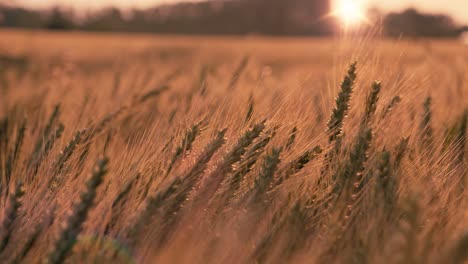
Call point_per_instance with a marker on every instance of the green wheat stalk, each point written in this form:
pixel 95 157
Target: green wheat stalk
pixel 9 215
pixel 14 155
pixel 426 123
pixel 291 138
pixel 225 169
pixel 338 114
pixel 47 131
pixel 298 164
pixel 390 106
pixel 185 146
pixel 75 220
pixel 371 103
pixel 176 192
pixel 336 120
pixel 267 172
pixel 248 161
pixel 237 73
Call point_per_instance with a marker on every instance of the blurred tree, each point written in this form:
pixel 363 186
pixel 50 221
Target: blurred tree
pixel 20 17
pixel 412 23
pixel 231 17
pixel 58 20
pixel 110 19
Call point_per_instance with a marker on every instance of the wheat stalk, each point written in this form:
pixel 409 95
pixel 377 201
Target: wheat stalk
pixel 178 189
pixel 226 167
pixel 426 123
pixel 73 224
pixel 298 164
pixel 14 155
pixel 338 114
pixel 371 103
pixel 291 138
pixel 267 172
pixel 185 146
pixel 237 73
pixel 47 130
pixel 9 215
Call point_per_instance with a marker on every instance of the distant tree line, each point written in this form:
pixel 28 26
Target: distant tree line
pixel 233 17
pixel 412 23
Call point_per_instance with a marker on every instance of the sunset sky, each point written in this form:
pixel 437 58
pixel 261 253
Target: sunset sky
pixel 457 8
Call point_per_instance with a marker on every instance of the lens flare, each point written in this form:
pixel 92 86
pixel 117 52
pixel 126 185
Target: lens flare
pixel 350 12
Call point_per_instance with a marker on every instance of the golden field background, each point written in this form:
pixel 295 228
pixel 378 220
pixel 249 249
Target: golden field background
pixel 153 104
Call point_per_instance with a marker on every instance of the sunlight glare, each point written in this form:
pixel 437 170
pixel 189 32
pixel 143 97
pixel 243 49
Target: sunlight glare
pixel 350 12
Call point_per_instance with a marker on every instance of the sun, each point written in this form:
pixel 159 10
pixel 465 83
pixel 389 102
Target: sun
pixel 350 12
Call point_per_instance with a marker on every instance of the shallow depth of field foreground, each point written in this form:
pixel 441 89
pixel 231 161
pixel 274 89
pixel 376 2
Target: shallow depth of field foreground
pixel 138 149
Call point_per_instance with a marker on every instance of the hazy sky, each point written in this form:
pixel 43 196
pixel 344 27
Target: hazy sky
pixel 457 8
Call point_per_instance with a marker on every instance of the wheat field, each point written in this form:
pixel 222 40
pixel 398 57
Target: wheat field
pixel 169 149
